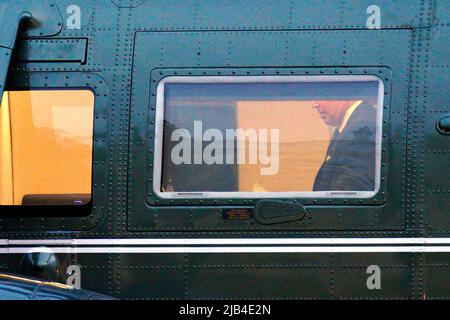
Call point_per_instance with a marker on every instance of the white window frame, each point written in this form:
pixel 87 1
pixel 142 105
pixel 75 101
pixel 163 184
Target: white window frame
pixel 159 129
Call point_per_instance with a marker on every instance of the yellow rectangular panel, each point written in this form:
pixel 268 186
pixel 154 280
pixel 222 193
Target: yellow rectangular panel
pixel 303 141
pixel 6 170
pixel 51 143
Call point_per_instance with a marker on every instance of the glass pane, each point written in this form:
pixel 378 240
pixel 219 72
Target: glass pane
pixel 243 136
pixel 46 147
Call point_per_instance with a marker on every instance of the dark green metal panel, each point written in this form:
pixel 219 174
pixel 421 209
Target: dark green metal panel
pixel 160 51
pixel 435 168
pixel 262 276
pixel 128 44
pixel 398 272
pixel 435 276
pixel 165 276
pixel 97 272
pixel 43 50
pixel 265 14
pixel 47 20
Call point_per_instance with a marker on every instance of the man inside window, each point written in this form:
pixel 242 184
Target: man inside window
pixel 349 163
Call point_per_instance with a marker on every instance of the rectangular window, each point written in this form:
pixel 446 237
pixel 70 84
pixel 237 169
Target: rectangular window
pixel 46 141
pixel 268 136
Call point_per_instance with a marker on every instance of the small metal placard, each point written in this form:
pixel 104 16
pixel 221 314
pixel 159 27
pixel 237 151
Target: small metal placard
pixel 238 214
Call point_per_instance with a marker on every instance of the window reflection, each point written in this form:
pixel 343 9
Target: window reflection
pixel 46 147
pixel 317 137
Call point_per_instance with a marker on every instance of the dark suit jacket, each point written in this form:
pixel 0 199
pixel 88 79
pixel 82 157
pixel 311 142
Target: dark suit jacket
pixel 351 164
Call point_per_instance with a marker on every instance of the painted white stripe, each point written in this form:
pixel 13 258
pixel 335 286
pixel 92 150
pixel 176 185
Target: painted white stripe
pixel 323 249
pixel 229 241
pixel 47 242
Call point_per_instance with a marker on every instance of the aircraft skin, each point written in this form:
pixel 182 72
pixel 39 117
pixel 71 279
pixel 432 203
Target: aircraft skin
pixel 133 245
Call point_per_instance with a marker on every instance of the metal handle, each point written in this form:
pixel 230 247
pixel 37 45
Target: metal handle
pixel 273 211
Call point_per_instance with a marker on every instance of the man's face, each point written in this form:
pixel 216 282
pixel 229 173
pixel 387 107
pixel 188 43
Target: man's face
pixel 332 111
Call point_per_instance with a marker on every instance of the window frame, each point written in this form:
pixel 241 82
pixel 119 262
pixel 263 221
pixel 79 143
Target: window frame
pixel 86 89
pixel 324 195
pixel 73 217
